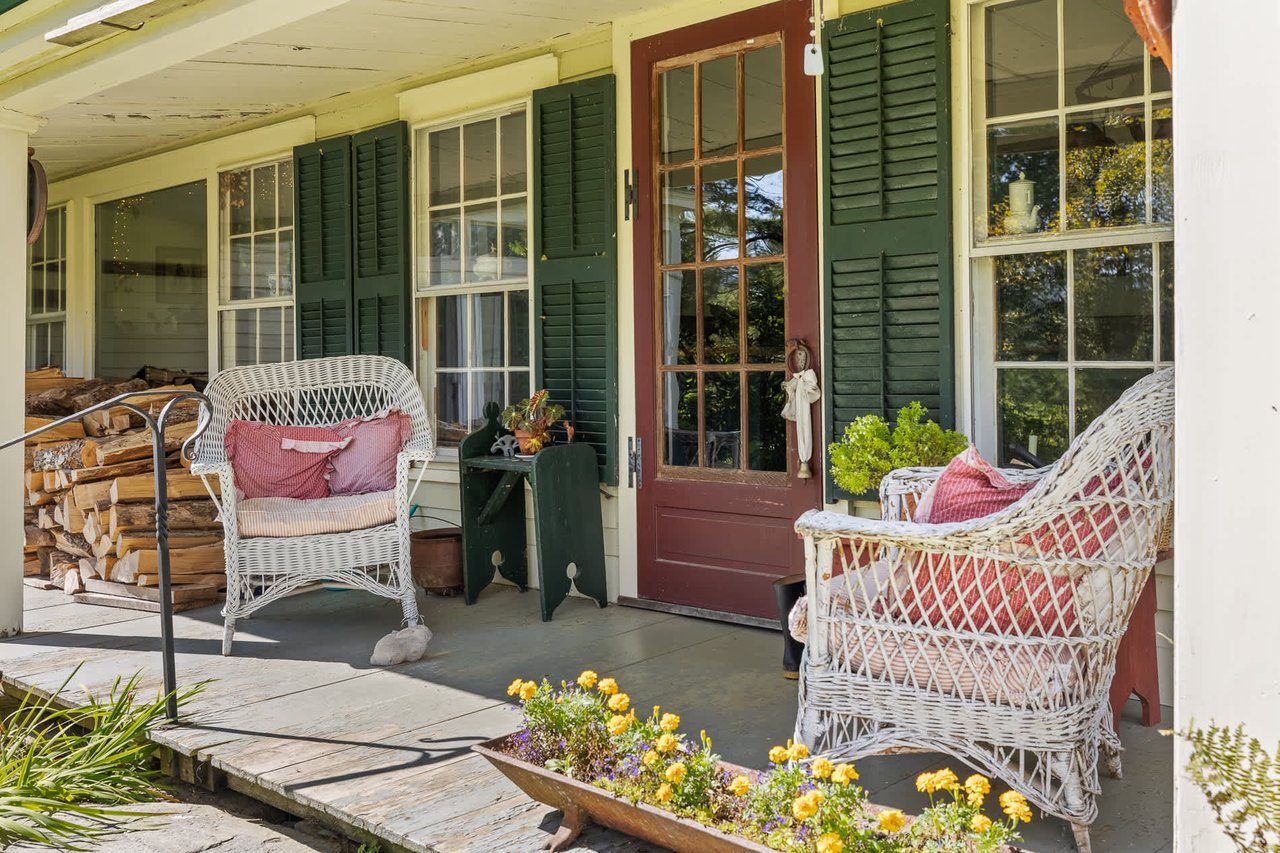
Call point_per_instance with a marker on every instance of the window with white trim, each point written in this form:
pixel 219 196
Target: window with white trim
pixel 47 293
pixel 1072 255
pixel 255 290
pixel 472 269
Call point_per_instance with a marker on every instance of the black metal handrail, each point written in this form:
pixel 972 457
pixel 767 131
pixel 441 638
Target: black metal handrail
pixel 157 426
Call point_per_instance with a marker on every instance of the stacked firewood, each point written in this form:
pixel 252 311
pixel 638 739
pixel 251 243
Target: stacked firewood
pixel 90 517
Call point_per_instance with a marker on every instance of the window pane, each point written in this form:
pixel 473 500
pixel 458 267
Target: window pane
pixel 52 236
pixel 285 172
pixel 519 386
pixel 265 282
pixel 35 279
pixel 240 269
pixel 515 161
pixel 1106 168
pixel 763 198
pixel 270 339
pixel 1097 388
pixel 451 330
pixel 767 431
pixel 445 228
pixel 719 106
pixel 237 201
pixel 1104 57
pixel 720 314
pixel 287 349
pixel 1166 302
pixel 442 152
pixel 1162 161
pixel 676 144
pixel 1022 57
pixel 762 97
pixel 766 313
pixel 285 260
pixel 720 211
pixel 1031 307
pixel 515 239
pixel 1022 168
pixel 57 343
pixel 55 282
pixel 39 347
pixel 680 418
pixel 518 321
pixel 239 331
pixel 1160 79
pixel 1113 303
pixel 482 243
pixel 722 395
pixel 487 335
pixel 264 198
pixel 679 217
pixel 1032 412
pixel 451 412
pixel 680 317
pixel 486 387
pixel 480 159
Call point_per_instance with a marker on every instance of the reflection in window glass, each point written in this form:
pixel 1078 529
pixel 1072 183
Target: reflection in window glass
pixel 679 217
pixel 720 315
pixel 766 310
pixel 1031 307
pixel 766 429
pixel 719 120
pixel 722 401
pixel 1162 161
pixel 1022 52
pixel 676 144
pixel 680 418
pixel 1105 59
pixel 720 211
pixel 1113 296
pixel 1032 406
pixel 1107 168
pixel 680 317
pixel 762 97
pixel 762 200
pixel 1022 172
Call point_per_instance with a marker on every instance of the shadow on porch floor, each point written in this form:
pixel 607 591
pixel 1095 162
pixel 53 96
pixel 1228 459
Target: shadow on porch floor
pixel 298 716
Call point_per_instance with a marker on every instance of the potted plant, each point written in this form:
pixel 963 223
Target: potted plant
pixel 869 449
pixel 531 421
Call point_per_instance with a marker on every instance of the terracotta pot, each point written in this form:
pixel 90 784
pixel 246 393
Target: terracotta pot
pixel 435 558
pixel 523 437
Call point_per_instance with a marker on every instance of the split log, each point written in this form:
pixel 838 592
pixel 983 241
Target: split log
pixel 110 472
pixel 184 582
pixel 103 546
pixel 203 559
pixel 69 454
pixel 88 568
pixel 94 495
pixel 58 571
pixel 35 480
pixel 178 539
pixel 119 419
pixel 31 567
pixel 71 583
pixel 183 515
pixel 72 543
pixel 101 393
pixel 123 448
pixel 105 566
pixel 93 526
pixel 66 432
pixel 44 519
pixel 42 498
pixel 34 537
pixel 181 594
pixel 142 487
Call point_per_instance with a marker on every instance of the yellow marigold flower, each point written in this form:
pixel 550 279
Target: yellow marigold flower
pixel 664 792
pixel 666 743
pixel 670 722
pixel 821 768
pixel 924 783
pixel 618 724
pixel 778 754
pixel 527 690
pixel 559 700
pixel 739 786
pixel 588 679
pixel 607 686
pixel 797 751
pixel 978 784
pixel 980 823
pixel 892 820
pixel 1015 806
pixel 945 780
pixel 675 773
pixel 830 843
pixel 649 758
pixel 619 702
pixel 806 806
pixel 843 774
pixel 514 687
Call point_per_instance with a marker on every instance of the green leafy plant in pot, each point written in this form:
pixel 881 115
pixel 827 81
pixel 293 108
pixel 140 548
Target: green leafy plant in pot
pixel 870 449
pixel 531 420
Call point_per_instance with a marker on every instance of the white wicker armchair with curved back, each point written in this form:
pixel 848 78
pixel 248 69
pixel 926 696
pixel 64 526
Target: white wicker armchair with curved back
pixel 314 392
pixel 995 639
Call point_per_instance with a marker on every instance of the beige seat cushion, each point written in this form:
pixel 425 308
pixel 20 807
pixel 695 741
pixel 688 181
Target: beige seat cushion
pixel 294 517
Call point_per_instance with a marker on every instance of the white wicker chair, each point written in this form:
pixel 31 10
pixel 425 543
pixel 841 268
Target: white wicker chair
pixel 314 392
pixel 1026 703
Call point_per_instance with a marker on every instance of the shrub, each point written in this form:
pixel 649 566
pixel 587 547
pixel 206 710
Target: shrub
pixel 869 449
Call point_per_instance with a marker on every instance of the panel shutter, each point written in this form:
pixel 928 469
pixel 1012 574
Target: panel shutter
pixel 575 258
pixel 887 232
pixel 322 247
pixel 381 242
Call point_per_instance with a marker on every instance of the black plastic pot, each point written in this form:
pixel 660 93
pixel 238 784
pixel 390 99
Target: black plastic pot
pixel 788 591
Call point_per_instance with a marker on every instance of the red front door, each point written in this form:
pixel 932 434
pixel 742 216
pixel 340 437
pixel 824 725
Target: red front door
pixel 726 281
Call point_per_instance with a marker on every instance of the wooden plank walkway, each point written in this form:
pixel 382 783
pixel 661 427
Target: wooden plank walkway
pixel 298 717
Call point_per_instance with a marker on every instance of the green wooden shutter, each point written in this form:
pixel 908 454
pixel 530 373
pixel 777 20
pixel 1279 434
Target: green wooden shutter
pixel 380 241
pixel 887 232
pixel 575 258
pixel 322 247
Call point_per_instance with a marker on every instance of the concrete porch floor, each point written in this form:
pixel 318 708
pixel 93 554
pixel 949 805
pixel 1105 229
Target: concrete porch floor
pixel 298 717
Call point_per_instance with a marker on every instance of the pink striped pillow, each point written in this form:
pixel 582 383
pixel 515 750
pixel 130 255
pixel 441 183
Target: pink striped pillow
pixel 969 487
pixel 368 464
pixel 272 461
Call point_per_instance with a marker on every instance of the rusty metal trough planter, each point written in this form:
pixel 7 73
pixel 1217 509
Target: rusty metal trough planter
pixel 583 804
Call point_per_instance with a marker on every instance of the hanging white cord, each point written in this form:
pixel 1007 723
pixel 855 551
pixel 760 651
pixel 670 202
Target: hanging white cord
pixel 813 65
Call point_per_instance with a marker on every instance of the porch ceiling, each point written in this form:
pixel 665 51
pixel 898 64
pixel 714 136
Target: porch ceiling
pixel 360 45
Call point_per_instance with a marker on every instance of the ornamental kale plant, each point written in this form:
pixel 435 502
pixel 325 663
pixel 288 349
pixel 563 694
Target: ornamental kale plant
pixel 869 449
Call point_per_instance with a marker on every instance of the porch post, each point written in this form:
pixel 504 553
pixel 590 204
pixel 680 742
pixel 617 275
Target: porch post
pixel 14 130
pixel 1226 659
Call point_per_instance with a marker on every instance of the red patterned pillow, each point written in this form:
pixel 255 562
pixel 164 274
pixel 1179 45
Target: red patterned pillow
pixel 969 487
pixel 271 461
pixel 368 463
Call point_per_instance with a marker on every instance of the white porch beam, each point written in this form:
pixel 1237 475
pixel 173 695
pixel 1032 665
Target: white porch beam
pixel 14 130
pixel 184 34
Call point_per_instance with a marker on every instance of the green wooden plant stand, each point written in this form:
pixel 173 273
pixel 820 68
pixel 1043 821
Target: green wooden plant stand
pixel 564 479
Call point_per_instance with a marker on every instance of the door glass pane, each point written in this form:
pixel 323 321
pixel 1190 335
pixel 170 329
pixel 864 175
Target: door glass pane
pixel 445 227
pixel 1099 387
pixel 1022 171
pixel 515 239
pixel 679 217
pixel 487 335
pixel 767 431
pixel 766 314
pixel 1022 57
pixel 1162 161
pixel 720 314
pixel 1032 412
pixel 762 177
pixel 480 159
pixel 1031 307
pixel 722 401
pixel 515 158
pixel 1113 292
pixel 676 144
pixel 264 198
pixel 1106 167
pixel 680 418
pixel 442 151
pixel 719 106
pixel 1166 302
pixel 762 97
pixel 482 242
pixel 451 330
pixel 720 211
pixel 680 317
pixel 518 308
pixel 1104 57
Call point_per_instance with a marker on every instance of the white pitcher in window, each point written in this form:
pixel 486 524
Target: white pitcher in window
pixel 1024 214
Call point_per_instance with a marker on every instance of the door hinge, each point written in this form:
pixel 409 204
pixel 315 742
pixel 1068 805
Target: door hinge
pixel 628 195
pixel 635 474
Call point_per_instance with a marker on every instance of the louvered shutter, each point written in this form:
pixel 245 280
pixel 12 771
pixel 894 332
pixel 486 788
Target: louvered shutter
pixel 575 266
pixel 322 247
pixel 887 234
pixel 380 241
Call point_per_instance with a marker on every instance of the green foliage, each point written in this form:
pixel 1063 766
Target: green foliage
pixel 533 415
pixel 869 449
pixel 1241 780
pixel 66 773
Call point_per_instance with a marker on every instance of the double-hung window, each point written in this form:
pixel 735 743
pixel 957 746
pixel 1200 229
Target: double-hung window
pixel 47 293
pixel 1072 253
pixel 472 268
pixel 255 291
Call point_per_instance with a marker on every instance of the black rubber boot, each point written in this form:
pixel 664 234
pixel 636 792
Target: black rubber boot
pixel 788 591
